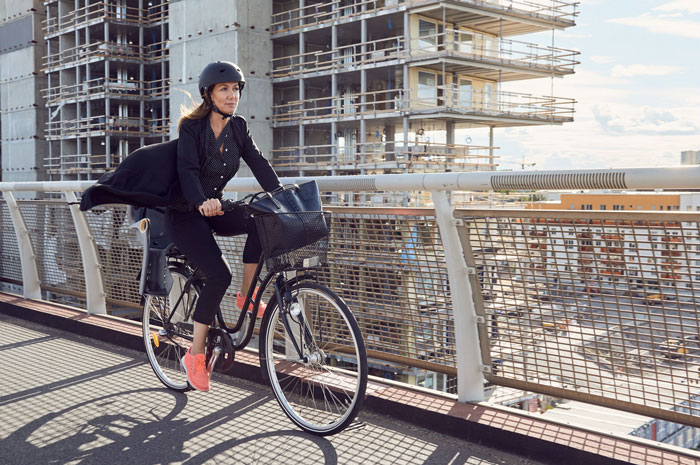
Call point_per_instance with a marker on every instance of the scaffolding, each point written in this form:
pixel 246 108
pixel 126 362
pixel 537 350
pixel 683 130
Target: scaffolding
pixel 108 88
pixel 361 86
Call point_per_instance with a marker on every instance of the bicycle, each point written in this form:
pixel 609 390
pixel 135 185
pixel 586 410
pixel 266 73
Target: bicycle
pixel 310 346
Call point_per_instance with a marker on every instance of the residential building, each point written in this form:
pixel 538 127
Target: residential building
pixel 383 86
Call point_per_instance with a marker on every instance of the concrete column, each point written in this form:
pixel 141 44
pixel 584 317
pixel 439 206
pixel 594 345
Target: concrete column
pixel 334 98
pixel 141 78
pixel 363 90
pixel 88 110
pixel 407 32
pixel 491 167
pixel 450 132
pixel 108 156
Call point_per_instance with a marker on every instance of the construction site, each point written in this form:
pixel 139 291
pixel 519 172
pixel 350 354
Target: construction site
pixel 339 87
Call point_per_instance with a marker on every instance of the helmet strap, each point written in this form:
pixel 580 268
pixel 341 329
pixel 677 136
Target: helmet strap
pixel 213 107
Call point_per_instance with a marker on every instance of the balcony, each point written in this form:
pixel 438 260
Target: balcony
pixel 101 88
pixel 75 163
pixel 384 156
pixel 475 55
pixel 98 51
pixel 489 16
pixel 413 278
pixel 104 12
pixel 451 102
pixel 103 125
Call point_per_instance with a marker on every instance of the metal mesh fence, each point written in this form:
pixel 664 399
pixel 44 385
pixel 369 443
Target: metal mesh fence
pixel 55 245
pixel 120 254
pixel 10 264
pixel 594 306
pixel 390 270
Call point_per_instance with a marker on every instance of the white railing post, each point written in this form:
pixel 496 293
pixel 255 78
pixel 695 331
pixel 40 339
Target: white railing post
pixel 31 286
pixel 94 286
pixel 470 378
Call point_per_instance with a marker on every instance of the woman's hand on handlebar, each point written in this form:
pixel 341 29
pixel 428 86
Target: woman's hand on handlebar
pixel 211 207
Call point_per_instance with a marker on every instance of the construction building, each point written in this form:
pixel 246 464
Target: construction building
pixel 106 66
pixel 364 87
pixel 22 112
pixel 337 87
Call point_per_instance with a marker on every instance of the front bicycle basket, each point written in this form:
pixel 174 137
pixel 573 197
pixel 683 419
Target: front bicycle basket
pixel 294 241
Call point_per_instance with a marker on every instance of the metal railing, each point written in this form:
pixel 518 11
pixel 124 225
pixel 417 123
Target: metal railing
pixel 515 56
pixel 101 125
pixel 598 306
pixel 418 156
pixel 323 13
pixel 105 11
pixel 100 50
pixel 464 101
pixel 107 87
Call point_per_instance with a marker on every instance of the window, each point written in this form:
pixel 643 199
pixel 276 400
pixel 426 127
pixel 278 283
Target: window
pixel 465 93
pixel 465 42
pixel 427 36
pixel 603 207
pixel 488 101
pixel 427 88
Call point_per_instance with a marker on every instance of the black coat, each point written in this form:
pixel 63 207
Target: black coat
pixel 157 175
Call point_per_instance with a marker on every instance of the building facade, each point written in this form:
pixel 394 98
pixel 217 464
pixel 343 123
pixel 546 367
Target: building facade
pixel 384 86
pixel 22 112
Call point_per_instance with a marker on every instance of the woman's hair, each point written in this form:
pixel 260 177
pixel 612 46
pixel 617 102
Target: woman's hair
pixel 192 111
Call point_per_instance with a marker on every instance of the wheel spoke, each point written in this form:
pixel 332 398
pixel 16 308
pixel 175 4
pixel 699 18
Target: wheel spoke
pixel 170 318
pixel 323 393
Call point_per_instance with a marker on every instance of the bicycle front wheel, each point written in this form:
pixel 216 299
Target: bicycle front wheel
pixel 168 329
pixel 314 356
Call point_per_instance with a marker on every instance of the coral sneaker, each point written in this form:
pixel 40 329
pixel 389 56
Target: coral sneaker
pixel 240 301
pixel 196 368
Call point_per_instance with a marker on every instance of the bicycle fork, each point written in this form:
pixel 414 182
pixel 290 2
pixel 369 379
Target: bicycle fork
pixel 290 308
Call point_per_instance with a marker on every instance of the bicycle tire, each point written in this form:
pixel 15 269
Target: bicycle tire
pixel 166 343
pixel 323 391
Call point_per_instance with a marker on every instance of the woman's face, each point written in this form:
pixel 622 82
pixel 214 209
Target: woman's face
pixel 225 96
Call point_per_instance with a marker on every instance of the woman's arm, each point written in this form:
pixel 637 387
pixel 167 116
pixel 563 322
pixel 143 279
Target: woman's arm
pixel 188 164
pixel 261 168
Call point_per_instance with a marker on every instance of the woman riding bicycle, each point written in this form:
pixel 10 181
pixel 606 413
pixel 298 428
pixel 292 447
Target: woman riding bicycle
pixel 212 140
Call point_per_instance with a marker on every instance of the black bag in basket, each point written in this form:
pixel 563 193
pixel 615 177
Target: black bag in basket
pixel 293 218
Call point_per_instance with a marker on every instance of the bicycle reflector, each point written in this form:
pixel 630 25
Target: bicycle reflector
pixel 155 339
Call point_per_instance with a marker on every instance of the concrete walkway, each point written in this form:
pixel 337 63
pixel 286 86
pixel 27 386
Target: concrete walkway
pixel 70 399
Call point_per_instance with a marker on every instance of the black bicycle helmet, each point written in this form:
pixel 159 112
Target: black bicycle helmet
pixel 214 73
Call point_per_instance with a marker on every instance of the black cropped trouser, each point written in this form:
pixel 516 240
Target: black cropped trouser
pixel 192 233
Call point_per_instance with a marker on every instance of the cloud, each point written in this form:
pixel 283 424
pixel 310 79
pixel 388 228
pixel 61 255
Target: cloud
pixel 660 25
pixel 691 6
pixel 602 59
pixel 634 120
pixel 621 71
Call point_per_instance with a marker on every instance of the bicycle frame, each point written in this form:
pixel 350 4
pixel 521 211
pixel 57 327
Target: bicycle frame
pixel 281 289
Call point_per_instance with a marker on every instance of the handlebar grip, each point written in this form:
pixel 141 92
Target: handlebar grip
pixel 228 205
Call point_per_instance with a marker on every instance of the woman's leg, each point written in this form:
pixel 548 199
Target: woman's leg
pixel 200 338
pixel 192 235
pixel 248 275
pixel 234 223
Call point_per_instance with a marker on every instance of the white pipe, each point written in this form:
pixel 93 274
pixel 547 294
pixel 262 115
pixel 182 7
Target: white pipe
pixel 470 378
pixel 676 177
pixel 94 286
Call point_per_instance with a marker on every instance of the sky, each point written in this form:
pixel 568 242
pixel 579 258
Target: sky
pixel 637 90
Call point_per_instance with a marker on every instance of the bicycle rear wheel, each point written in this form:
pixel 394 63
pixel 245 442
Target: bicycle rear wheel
pixel 168 329
pixel 315 360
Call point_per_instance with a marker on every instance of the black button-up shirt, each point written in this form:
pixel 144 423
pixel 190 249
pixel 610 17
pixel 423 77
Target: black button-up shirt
pixel 203 170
